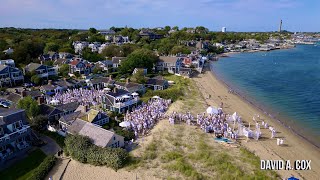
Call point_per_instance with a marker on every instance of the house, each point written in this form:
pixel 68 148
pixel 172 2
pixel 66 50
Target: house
pixel 99 136
pixel 144 70
pixel 100 82
pixel 43 71
pixel 187 61
pixel 185 72
pixel 170 63
pixel 119 100
pixel 8 62
pixel 50 56
pixel 15 133
pixel 59 62
pixel 92 115
pixel 130 86
pixel 79 46
pixel 157 83
pixel 59 86
pixel 116 62
pixel 105 65
pixel 8 51
pixel 54 113
pixel 148 33
pixel 65 55
pixel 81 66
pixel 120 39
pixel 10 76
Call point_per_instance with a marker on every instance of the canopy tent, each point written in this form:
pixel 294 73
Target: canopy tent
pixel 134 94
pixel 212 110
pixel 54 101
pixel 106 89
pixel 156 97
pixel 124 124
pixel 126 96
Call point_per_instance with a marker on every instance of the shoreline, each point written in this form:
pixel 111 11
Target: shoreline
pixel 294 148
pixel 264 111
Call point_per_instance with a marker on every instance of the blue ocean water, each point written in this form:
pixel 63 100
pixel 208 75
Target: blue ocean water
pixel 286 83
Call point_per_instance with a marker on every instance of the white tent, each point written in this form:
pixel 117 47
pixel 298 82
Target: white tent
pixel 125 96
pixel 106 89
pixel 212 110
pixel 156 97
pixel 134 94
pixel 124 124
pixel 54 101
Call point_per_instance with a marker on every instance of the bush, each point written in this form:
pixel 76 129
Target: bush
pixel 44 168
pixel 81 149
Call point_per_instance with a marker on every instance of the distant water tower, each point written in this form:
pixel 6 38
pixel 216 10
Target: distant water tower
pixel 224 29
pixel 280 27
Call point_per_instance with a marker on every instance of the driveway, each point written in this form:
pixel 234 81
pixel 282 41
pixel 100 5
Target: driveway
pixel 51 148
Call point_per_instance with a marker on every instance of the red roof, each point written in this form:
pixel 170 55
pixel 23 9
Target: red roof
pixel 74 62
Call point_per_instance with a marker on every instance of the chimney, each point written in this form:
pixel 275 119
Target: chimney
pixel 41 62
pixel 23 93
pixel 41 100
pixel 49 82
pixel 114 90
pixel 127 80
pixel 110 77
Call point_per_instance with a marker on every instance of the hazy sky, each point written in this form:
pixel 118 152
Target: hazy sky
pixel 235 15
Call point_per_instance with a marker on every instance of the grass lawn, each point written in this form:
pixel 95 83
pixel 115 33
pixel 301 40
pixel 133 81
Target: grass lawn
pixel 55 136
pixel 23 168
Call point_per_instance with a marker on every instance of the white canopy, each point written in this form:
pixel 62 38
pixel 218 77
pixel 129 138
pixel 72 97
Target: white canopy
pixel 156 97
pixel 106 89
pixel 134 94
pixel 124 124
pixel 212 110
pixel 125 96
pixel 54 101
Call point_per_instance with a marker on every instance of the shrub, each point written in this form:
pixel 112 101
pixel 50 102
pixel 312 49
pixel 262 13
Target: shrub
pixel 44 168
pixel 81 149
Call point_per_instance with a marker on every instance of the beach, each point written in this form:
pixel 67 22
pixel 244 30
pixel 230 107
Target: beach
pixel 295 148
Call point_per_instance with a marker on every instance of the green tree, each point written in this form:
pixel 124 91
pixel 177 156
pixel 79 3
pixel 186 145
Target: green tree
pixel 93 31
pixel 64 70
pixel 39 122
pixel 30 106
pixel 97 70
pixel 139 77
pixel 180 49
pixel 112 51
pixel 36 79
pixel 51 47
pixel 140 58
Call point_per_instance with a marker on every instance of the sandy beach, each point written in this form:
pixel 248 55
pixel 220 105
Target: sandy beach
pixel 295 148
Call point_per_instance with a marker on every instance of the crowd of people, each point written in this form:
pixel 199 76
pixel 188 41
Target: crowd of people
pixel 144 117
pixel 83 96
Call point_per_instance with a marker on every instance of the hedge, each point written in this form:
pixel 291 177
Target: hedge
pixel 81 149
pixel 44 168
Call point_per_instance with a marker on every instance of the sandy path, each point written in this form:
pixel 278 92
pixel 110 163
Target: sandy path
pixel 295 149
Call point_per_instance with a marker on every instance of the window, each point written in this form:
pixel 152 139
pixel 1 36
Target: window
pixel 99 116
pixel 114 138
pixel 1 131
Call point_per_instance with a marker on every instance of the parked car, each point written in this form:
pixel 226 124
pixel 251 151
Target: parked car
pixel 4 104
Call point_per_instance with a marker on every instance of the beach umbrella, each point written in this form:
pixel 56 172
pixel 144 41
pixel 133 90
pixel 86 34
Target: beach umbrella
pixel 156 97
pixel 124 124
pixel 134 94
pixel 212 110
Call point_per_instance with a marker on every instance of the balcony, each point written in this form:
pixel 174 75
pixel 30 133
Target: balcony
pixel 125 104
pixel 15 133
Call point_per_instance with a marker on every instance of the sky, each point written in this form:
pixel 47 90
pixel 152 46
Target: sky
pixel 235 15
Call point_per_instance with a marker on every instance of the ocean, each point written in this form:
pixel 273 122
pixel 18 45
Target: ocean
pixel 284 83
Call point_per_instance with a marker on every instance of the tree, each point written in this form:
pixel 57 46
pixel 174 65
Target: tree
pixel 93 31
pixel 140 58
pixel 36 79
pixel 30 106
pixel 51 47
pixel 91 56
pixel 112 51
pixel 139 77
pixel 180 49
pixel 97 70
pixel 39 122
pixel 64 70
